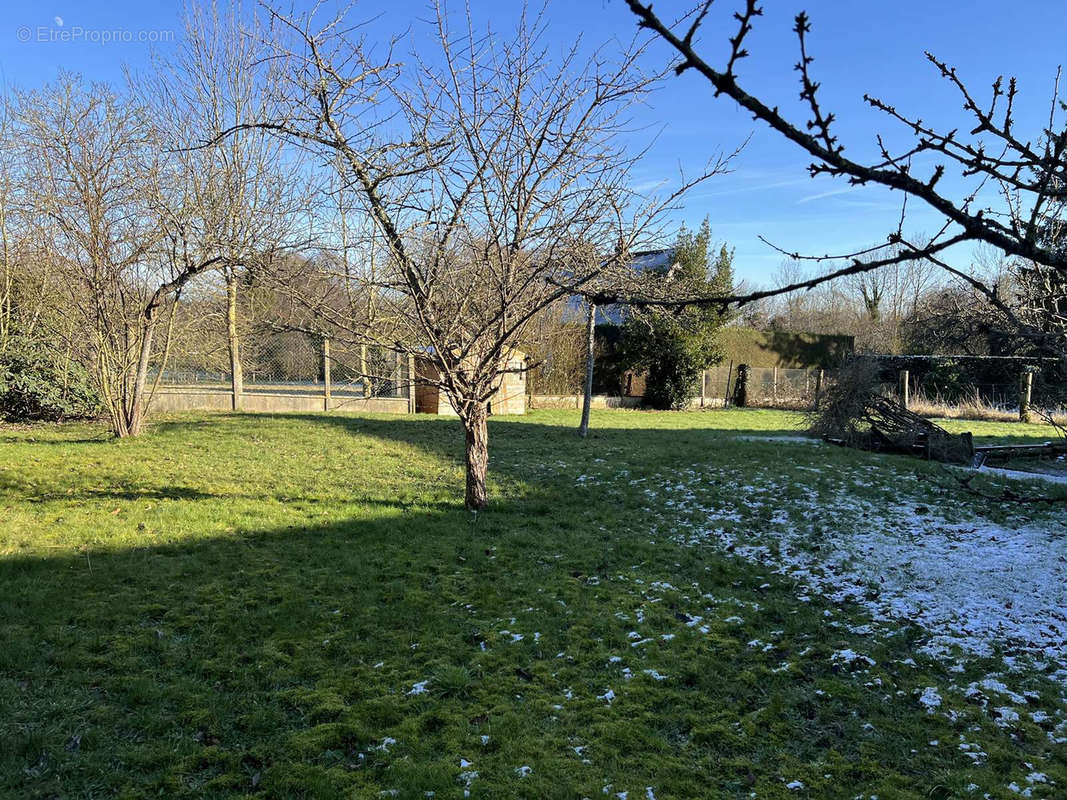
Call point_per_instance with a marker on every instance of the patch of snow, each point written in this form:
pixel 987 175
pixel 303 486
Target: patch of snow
pixel 1020 475
pixel 973 584
pixel 850 658
pixel 930 699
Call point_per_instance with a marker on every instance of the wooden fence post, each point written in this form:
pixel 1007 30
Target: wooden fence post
pixel 774 387
pixel 411 383
pixel 703 388
pixel 364 380
pixel 818 389
pixel 1026 385
pixel 905 394
pixel 325 373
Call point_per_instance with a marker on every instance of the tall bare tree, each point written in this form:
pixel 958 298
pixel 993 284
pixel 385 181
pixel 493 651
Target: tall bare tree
pixel 92 167
pixel 238 203
pixel 496 180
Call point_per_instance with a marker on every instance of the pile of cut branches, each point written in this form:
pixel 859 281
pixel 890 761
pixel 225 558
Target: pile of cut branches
pixel 854 413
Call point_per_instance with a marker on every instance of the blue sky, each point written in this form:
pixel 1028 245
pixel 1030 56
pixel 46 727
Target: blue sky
pixel 873 46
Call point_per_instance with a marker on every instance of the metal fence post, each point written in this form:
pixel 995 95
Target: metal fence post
pixel 325 373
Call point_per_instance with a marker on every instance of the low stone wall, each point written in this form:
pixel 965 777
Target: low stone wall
pixel 190 399
pixel 575 401
pixel 607 401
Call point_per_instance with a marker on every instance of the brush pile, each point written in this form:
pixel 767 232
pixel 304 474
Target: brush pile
pixel 854 413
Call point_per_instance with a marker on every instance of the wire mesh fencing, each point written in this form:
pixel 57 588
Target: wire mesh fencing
pixel 283 362
pixel 199 354
pixel 772 387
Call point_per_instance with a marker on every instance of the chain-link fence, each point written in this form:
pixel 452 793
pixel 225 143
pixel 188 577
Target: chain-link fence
pixel 993 384
pixel 197 355
pixel 777 387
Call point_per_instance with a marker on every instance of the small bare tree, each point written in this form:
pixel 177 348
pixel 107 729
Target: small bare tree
pixel 91 164
pixel 496 182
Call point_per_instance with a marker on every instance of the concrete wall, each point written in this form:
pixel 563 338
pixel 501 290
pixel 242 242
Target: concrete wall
pixel 186 399
pixel 575 401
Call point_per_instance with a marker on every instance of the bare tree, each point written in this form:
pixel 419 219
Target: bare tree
pixel 496 181
pixel 91 167
pixel 1016 181
pixel 240 202
pixel 590 360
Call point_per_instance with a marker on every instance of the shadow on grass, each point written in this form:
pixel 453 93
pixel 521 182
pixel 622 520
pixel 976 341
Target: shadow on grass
pixel 31 492
pixel 187 668
pixel 275 661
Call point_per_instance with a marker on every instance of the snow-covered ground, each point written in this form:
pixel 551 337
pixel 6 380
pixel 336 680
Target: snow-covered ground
pixel 972 584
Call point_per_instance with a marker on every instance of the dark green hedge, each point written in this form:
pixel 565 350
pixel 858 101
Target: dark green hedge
pixel 38 384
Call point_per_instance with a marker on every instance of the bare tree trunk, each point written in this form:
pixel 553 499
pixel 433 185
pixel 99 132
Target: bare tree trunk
pixel 590 344
pixel 475 419
pixel 236 375
pixel 137 405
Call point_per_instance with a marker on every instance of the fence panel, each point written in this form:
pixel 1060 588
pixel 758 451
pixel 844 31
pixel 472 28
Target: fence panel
pixel 766 386
pixel 273 362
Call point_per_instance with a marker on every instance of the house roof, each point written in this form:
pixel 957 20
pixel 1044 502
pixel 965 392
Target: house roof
pixel 659 261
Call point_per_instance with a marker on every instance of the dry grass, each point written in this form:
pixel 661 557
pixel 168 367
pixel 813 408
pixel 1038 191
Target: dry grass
pixel 973 408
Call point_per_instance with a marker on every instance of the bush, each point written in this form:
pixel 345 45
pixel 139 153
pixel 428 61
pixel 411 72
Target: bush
pixel 674 346
pixel 35 385
pixel 673 371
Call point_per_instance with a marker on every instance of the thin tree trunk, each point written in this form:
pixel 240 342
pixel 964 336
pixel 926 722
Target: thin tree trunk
pixel 236 375
pixel 166 354
pixel 475 419
pixel 137 404
pixel 590 344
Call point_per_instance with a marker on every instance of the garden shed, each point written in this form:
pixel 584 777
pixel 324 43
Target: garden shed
pixel 509 398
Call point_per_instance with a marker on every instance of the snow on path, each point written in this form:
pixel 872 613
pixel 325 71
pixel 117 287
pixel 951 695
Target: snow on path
pixel 1020 475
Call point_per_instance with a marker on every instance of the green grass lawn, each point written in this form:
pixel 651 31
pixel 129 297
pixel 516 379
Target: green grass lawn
pixel 298 606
